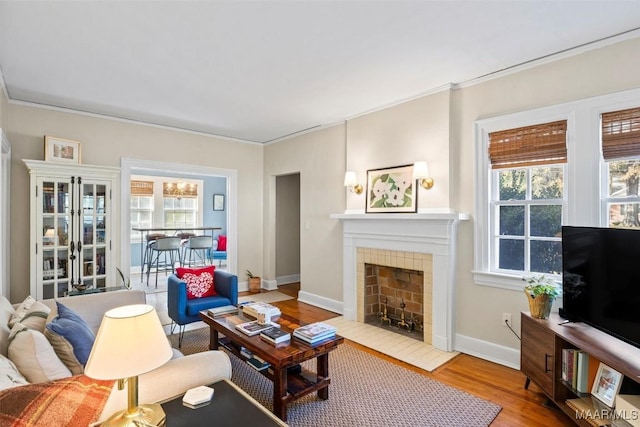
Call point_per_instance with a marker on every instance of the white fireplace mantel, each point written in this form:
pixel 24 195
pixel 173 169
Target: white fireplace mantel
pixel 429 232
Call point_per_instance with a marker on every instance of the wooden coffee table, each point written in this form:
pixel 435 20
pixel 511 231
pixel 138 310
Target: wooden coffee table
pixel 288 385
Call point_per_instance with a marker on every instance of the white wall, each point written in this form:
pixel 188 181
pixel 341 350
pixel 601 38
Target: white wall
pixel 104 142
pixel 319 157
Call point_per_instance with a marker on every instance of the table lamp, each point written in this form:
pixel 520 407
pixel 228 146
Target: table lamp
pixel 129 343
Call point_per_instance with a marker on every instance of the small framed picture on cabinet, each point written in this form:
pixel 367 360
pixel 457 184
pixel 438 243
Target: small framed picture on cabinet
pixel 61 150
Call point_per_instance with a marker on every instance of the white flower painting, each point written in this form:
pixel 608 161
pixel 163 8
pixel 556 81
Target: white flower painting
pixel 391 190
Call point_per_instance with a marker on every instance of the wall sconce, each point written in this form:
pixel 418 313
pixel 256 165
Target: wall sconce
pixel 351 181
pixel 421 172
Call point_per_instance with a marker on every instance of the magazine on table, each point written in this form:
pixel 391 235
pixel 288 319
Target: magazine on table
pixel 254 328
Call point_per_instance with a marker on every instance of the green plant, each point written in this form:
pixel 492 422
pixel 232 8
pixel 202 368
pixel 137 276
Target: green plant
pixel 250 275
pixel 125 282
pixel 541 285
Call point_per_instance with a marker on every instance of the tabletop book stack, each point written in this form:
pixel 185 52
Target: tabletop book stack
pixel 314 333
pixel 254 327
pixel 254 309
pixel 275 336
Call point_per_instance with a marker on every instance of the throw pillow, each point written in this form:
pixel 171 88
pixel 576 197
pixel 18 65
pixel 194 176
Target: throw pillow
pixel 199 281
pixel 71 338
pixel 9 374
pixel 33 355
pixel 31 313
pixel 222 243
pixel 6 311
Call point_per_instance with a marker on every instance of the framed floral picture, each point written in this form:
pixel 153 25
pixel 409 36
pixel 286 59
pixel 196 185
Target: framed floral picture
pixel 391 190
pixel 61 150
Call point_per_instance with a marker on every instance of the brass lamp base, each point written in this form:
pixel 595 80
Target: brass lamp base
pixel 143 415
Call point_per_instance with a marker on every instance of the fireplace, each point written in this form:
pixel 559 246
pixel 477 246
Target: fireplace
pixel 394 299
pixel 424 242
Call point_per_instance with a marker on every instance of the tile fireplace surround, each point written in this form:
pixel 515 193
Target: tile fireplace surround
pixel 422 241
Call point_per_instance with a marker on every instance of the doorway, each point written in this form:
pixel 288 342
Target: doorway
pixel 131 167
pixel 287 237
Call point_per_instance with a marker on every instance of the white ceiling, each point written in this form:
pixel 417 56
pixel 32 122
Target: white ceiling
pixel 261 70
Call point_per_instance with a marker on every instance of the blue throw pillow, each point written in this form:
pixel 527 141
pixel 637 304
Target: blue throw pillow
pixel 70 333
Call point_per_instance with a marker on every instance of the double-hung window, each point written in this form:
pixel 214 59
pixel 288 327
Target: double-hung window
pixel 527 198
pixel 621 152
pixel 141 206
pixel 180 204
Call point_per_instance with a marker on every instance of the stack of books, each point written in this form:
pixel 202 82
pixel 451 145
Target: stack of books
pixel 221 311
pixel 315 332
pixel 257 363
pixel 275 336
pixel 253 309
pixel 254 327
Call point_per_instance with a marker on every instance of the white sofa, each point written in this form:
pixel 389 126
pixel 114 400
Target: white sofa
pixel 173 378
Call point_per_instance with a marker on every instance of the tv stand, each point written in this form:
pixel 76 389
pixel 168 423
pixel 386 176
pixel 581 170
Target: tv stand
pixel 541 355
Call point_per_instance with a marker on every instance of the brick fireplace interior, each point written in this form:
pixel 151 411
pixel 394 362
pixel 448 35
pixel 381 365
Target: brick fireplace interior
pixel 394 276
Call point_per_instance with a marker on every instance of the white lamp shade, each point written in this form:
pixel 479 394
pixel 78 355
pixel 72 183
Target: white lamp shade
pixel 420 170
pixel 130 342
pixel 350 179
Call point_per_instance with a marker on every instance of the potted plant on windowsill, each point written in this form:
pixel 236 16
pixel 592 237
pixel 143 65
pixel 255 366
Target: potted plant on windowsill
pixel 254 282
pixel 541 291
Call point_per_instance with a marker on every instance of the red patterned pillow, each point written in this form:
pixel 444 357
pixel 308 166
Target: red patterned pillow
pixel 222 243
pixel 199 281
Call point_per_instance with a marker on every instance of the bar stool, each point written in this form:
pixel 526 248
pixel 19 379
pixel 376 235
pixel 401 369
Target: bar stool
pixel 163 246
pixel 150 241
pixel 199 246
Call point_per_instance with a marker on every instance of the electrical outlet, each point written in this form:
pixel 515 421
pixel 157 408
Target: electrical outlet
pixel 506 319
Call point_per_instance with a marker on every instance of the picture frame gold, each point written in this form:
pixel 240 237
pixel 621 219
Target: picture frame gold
pixel 391 190
pixel 61 150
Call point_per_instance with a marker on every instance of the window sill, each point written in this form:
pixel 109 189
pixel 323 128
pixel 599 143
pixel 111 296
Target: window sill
pixel 498 280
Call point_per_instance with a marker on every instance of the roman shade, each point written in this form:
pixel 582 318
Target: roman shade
pixel 528 146
pixel 621 134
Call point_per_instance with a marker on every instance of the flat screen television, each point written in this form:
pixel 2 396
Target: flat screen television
pixel 601 279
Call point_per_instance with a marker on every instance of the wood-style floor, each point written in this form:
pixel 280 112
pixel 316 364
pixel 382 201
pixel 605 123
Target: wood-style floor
pixel 496 383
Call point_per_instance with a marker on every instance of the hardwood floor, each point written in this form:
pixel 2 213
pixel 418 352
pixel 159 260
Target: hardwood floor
pixel 496 383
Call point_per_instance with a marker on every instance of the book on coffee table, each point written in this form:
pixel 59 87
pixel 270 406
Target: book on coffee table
pixel 275 335
pixel 220 311
pixel 314 332
pixel 254 328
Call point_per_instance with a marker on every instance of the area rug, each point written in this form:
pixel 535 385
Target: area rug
pixel 365 391
pixel 409 350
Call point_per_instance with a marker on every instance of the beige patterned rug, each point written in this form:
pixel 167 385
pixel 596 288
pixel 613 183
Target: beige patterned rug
pixel 365 391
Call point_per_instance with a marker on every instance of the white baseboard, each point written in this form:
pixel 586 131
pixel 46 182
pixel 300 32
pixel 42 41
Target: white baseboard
pixel 269 285
pixel 500 354
pixel 285 280
pixel 321 302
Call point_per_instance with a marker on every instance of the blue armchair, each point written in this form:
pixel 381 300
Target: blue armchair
pixel 183 311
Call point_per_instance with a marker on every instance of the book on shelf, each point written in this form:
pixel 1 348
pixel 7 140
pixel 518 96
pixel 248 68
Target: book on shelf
pixel 586 411
pixel 245 352
pixel 257 363
pixel 220 311
pixel 582 382
pixel 275 335
pixel 254 328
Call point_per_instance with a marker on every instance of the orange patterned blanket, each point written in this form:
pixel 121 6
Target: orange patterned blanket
pixel 76 401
